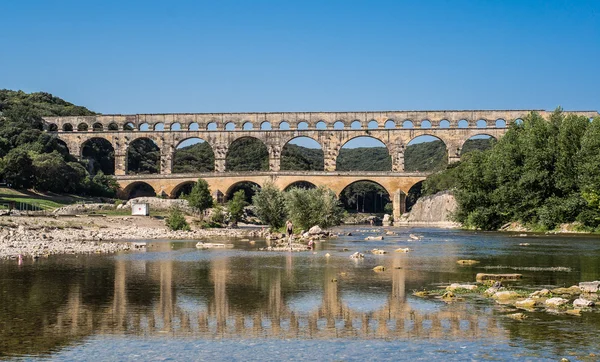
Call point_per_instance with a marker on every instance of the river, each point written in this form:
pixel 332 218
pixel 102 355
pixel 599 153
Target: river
pixel 176 302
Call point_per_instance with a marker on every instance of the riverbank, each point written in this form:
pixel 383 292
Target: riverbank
pixel 42 236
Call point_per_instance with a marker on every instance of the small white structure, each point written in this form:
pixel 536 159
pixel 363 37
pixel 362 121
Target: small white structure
pixel 140 209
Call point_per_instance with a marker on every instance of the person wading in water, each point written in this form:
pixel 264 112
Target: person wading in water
pixel 290 231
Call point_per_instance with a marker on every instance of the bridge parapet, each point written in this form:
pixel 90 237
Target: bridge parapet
pixel 295 120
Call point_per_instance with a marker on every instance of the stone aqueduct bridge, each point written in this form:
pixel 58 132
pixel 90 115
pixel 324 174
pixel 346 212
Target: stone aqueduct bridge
pixel 331 130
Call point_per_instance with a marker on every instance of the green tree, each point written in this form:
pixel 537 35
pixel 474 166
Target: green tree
pixel 194 158
pixel 269 202
pixel 52 173
pixel 17 169
pixel 317 206
pixel 236 206
pixel 247 154
pixel 176 220
pixel 200 198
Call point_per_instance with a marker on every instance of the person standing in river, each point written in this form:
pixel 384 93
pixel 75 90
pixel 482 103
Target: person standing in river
pixel 290 232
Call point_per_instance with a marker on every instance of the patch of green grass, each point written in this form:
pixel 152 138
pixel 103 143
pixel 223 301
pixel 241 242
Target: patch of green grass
pixel 44 201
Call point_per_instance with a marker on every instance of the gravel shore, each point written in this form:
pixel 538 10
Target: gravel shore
pixel 43 236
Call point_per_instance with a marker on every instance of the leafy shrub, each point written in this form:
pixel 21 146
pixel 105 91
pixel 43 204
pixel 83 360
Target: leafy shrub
pixel 309 207
pixel 176 220
pixel 218 214
pixel 200 198
pixel 269 202
pixel 236 206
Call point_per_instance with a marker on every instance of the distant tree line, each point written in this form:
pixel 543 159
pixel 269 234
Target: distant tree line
pixel 251 154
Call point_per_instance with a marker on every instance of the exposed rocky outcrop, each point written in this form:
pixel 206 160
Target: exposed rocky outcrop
pixel 434 210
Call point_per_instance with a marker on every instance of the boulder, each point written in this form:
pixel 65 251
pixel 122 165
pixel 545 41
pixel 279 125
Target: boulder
pixel 379 268
pixel 539 293
pixel 386 218
pixel 485 276
pixel 572 290
pixel 357 255
pixel 371 238
pixel 402 250
pixel 517 316
pixel 378 251
pixel 455 286
pixel 582 303
pixel 491 291
pixel 505 295
pixel 589 287
pixel 448 296
pixel 556 302
pixel 525 303
pixel 315 230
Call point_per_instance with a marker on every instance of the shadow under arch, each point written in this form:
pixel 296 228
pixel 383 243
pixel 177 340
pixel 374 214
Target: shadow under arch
pixel 425 153
pixel 100 154
pixel 478 142
pixel 302 153
pixel 301 184
pixel 63 148
pixel 192 155
pixel 366 196
pixel 143 156
pixel 247 186
pixel 138 189
pixel 182 188
pixel 364 153
pixel 414 193
pixel 247 154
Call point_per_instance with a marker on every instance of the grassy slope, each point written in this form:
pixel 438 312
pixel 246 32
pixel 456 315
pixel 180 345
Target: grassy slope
pixel 44 201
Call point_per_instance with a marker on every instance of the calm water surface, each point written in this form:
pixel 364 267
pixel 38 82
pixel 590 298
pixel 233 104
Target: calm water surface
pixel 176 302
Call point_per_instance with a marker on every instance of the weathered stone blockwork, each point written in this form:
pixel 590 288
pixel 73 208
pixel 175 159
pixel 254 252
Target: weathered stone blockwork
pixel 332 130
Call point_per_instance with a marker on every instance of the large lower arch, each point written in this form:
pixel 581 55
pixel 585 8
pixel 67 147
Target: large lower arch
pixel 425 154
pixel 364 153
pixel 100 155
pixel 193 155
pixel 300 185
pixel 138 189
pixel 302 154
pixel 183 188
pixel 480 142
pixel 366 196
pixel 248 187
pixel 247 154
pixel 143 157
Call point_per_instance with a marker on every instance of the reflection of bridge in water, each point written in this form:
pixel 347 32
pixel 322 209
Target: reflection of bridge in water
pixel 172 315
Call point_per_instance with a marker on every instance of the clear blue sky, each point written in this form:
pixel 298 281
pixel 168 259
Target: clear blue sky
pixel 237 56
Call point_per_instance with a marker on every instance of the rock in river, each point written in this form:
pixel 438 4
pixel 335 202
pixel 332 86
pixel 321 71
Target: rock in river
pixel 556 302
pixel 582 303
pixel 589 287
